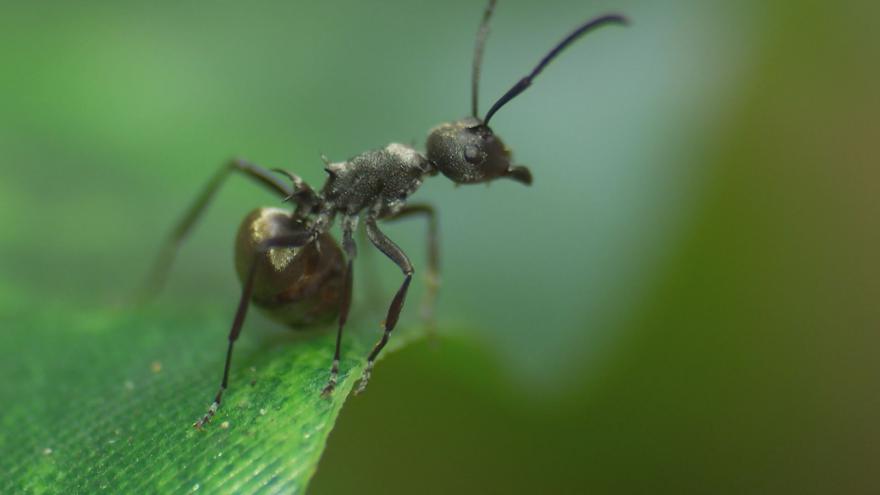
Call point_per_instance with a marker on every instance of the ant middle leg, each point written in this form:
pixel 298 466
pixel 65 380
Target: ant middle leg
pixel 432 279
pixel 289 241
pixel 164 260
pixel 391 250
pixel 349 225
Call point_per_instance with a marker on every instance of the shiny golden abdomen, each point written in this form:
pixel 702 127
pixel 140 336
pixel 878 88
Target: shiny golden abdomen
pixel 294 286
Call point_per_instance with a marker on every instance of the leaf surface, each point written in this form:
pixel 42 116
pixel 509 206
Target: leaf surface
pixel 103 400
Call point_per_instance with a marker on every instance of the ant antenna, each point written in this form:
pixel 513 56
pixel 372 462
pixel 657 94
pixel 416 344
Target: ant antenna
pixel 525 82
pixel 482 33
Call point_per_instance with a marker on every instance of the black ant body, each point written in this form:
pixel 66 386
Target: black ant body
pixel 293 269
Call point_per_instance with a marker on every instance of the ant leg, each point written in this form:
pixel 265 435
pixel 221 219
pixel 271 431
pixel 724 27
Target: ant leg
pixel 349 225
pixel 295 240
pixel 432 279
pixel 163 262
pixel 234 332
pixel 397 255
pixel 303 194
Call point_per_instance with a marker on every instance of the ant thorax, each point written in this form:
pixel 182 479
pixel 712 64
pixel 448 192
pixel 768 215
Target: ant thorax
pixel 378 180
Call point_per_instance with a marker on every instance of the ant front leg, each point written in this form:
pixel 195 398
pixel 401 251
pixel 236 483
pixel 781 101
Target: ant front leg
pixel 391 250
pixel 349 224
pixel 285 241
pixel 433 277
pixel 163 262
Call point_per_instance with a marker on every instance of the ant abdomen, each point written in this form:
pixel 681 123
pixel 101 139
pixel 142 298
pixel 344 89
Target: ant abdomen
pixel 295 286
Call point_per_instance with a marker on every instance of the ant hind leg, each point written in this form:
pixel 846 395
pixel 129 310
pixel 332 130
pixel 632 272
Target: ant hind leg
pixel 293 240
pixel 164 260
pixel 234 332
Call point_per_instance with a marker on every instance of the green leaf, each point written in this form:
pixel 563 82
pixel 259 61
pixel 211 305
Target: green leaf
pixel 104 400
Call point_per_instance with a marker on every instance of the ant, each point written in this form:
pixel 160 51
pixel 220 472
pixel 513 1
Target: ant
pixel 290 266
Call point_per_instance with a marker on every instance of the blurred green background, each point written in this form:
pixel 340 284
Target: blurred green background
pixel 685 301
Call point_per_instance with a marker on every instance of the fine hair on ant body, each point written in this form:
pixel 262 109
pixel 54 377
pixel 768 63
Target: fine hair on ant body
pixel 291 267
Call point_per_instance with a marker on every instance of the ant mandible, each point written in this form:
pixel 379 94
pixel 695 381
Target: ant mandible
pixel 292 268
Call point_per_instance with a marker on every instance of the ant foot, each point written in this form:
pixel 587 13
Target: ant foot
pixel 365 378
pixel 331 383
pixel 207 417
pixel 327 391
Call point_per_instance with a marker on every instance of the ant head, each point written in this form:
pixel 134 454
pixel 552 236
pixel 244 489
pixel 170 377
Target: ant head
pixel 468 152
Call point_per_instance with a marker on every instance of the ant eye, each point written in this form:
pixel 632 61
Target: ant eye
pixel 472 154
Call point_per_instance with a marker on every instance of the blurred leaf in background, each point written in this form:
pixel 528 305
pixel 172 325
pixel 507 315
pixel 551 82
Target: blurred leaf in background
pixel 685 300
